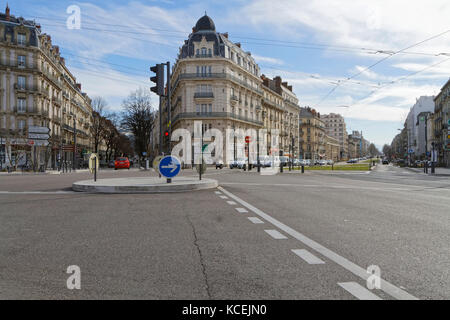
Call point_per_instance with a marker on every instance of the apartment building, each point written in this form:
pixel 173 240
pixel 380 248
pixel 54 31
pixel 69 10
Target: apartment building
pixel 336 128
pixel 442 125
pixel 37 89
pixel 332 148
pixel 216 81
pixel 312 135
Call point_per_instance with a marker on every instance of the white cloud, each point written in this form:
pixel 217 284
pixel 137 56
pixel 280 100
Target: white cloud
pixel 260 59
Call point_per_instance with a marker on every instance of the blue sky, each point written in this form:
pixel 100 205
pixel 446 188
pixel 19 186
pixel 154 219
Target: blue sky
pixel 314 45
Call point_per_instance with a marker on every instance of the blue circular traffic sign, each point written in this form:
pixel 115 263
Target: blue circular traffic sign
pixel 169 166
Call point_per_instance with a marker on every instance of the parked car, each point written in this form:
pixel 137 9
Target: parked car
pixel 330 162
pixel 323 162
pixel 122 163
pixel 352 161
pixel 239 163
pixel 219 164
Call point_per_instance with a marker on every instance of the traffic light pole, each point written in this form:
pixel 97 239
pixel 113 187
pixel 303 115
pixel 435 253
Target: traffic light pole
pixel 169 115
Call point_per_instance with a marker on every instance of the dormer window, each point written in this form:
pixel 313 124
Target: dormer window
pixel 21 39
pixel 203 51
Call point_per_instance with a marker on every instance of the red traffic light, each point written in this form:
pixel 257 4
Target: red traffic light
pixel 166 134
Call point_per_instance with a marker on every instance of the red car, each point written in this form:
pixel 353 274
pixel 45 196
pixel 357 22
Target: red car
pixel 122 163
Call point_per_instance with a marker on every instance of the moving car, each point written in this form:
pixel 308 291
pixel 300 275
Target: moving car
pixel 385 161
pixel 122 163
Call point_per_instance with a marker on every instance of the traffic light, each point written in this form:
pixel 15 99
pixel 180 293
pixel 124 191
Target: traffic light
pixel 158 79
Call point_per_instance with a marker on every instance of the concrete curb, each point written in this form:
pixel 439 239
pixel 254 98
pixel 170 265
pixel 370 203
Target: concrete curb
pixel 143 185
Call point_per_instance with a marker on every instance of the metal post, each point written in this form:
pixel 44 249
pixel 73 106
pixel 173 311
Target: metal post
pixel 74 143
pixel 95 169
pixel 201 154
pixel 248 155
pixel 169 115
pixel 160 126
pixel 257 151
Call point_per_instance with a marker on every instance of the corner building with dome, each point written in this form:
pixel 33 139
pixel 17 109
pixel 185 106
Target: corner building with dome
pixel 219 83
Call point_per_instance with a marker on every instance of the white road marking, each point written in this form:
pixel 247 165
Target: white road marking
pixel 359 291
pixel 223 197
pixel 307 256
pixel 231 203
pixel 41 192
pixel 343 262
pixel 255 220
pixel 218 192
pixel 241 210
pixel 276 234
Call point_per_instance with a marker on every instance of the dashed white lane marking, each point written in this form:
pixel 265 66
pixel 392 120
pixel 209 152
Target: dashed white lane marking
pixel 223 197
pixel 218 192
pixel 343 262
pixel 241 210
pixel 359 291
pixel 255 220
pixel 276 234
pixel 231 203
pixel 308 256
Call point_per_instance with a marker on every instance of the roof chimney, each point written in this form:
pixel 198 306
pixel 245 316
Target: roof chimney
pixel 225 35
pixel 238 44
pixel 7 12
pixel 79 86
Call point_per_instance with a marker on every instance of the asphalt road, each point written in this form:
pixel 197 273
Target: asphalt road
pixel 289 236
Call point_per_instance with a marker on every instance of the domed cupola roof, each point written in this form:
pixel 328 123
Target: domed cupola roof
pixel 205 23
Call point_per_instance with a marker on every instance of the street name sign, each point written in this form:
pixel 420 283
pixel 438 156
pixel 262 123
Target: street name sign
pixel 36 129
pixel 40 143
pixel 38 136
pixel 169 167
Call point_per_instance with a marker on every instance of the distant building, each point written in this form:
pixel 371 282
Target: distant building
pixel 336 128
pixel 442 125
pixel 312 135
pixel 423 104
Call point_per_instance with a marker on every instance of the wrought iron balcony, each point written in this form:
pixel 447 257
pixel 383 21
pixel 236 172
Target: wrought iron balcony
pixel 203 95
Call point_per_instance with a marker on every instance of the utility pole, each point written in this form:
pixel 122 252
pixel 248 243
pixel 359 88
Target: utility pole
pixel 257 151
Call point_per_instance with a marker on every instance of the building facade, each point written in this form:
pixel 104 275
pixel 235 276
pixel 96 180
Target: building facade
pixel 216 81
pixel 442 125
pixel 312 135
pixel 332 148
pixel 415 144
pixel 336 128
pixel 37 89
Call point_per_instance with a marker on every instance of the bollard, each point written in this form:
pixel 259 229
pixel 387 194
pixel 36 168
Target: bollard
pixel 303 169
pixel 281 167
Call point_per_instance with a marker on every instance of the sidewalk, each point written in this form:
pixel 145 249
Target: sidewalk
pixel 438 171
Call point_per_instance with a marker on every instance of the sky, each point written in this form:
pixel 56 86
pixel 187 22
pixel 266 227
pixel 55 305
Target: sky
pixel 367 60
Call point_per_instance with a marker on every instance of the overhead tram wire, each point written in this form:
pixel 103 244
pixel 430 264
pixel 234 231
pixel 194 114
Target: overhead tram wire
pixel 283 43
pixel 400 79
pixel 378 62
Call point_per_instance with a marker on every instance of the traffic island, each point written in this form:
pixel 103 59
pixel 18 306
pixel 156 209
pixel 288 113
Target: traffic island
pixel 144 185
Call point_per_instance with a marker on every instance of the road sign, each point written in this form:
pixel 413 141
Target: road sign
pixel 38 136
pixel 247 139
pixel 169 166
pixel 36 129
pixel 204 147
pixel 91 162
pixel 41 143
pixel 30 142
pixel 411 151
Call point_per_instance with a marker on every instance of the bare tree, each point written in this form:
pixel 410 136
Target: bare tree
pixel 98 119
pixel 138 118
